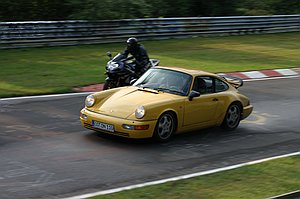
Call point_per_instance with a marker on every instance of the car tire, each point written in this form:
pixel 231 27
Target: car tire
pixel 165 127
pixel 232 117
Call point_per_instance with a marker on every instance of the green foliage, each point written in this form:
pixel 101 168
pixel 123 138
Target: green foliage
pixel 282 7
pixel 25 10
pixel 213 7
pixel 108 9
pixel 268 7
pixel 254 7
pixel 34 71
pixel 22 10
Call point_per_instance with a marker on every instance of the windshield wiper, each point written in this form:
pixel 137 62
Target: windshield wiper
pixel 169 90
pixel 143 86
pixel 148 89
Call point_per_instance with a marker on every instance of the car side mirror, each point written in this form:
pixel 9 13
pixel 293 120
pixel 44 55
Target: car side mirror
pixel 193 94
pixel 109 54
pixel 132 81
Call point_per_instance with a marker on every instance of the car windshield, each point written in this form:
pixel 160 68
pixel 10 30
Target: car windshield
pixel 165 80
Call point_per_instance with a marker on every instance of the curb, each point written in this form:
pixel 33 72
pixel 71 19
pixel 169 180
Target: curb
pixel 264 73
pixel 243 75
pixel 90 88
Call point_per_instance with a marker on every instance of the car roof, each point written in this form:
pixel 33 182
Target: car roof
pixel 192 72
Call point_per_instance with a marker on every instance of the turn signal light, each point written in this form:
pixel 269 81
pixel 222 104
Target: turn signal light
pixel 135 127
pixel 141 127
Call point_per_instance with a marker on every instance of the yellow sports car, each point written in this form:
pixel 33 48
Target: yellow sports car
pixel 165 101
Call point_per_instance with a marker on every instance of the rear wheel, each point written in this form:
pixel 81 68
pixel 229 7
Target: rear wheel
pixel 232 117
pixel 165 127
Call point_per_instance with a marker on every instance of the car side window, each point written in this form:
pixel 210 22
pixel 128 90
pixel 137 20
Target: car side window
pixel 220 86
pixel 204 85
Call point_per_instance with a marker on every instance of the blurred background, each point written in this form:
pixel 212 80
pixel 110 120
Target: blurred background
pixel 33 10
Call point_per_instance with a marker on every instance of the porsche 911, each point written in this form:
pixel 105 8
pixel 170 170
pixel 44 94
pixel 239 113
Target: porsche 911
pixel 166 101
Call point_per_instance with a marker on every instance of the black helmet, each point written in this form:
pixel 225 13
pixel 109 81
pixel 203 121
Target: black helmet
pixel 132 42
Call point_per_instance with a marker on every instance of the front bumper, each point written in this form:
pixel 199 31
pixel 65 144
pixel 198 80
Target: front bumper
pixel 119 130
pixel 247 110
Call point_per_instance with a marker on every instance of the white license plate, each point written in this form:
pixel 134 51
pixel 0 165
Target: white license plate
pixel 103 126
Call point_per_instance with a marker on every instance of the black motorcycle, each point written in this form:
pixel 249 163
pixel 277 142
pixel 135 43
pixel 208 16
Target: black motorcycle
pixel 120 70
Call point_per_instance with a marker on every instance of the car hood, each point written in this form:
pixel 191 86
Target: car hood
pixel 124 102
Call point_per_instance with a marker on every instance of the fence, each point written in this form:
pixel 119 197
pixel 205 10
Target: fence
pixel 61 33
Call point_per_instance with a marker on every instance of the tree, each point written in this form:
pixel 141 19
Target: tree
pixel 286 7
pixel 212 7
pixel 24 10
pixel 254 7
pixel 108 9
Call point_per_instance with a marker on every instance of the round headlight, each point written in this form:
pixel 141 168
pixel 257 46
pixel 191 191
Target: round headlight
pixel 89 100
pixel 140 112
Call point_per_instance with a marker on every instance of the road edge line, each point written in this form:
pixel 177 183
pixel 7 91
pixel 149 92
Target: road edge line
pixel 202 173
pixel 45 96
pixel 271 78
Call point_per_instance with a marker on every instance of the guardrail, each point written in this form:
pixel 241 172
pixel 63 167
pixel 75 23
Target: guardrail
pixel 61 33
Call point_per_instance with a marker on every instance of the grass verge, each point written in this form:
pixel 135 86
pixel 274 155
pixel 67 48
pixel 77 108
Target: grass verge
pixel 34 71
pixel 262 180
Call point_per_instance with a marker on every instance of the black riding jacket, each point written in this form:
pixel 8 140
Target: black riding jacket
pixel 140 55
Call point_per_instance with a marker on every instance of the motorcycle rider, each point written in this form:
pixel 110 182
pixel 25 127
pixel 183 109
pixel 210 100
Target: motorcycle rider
pixel 139 53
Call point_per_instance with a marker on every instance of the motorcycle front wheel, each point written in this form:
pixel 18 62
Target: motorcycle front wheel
pixel 109 85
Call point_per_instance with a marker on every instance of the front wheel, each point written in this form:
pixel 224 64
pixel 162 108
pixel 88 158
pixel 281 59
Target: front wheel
pixel 165 127
pixel 109 85
pixel 232 117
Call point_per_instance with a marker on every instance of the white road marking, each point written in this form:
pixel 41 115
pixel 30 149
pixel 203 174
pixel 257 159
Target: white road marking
pixel 286 71
pixel 254 74
pixel 287 195
pixel 45 96
pixel 110 191
pixel 271 78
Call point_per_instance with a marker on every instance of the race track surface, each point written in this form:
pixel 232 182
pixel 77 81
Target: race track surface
pixel 45 153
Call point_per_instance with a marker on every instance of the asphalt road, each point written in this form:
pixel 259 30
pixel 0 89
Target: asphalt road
pixel 45 153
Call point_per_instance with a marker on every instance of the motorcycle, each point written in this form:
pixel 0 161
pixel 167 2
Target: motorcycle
pixel 120 70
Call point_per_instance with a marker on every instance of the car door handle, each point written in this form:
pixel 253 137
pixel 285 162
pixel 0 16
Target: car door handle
pixel 215 99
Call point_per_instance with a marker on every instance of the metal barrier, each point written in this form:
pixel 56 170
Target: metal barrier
pixel 61 33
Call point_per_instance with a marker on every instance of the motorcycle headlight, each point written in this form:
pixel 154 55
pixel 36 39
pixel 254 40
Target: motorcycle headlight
pixel 112 65
pixel 89 100
pixel 140 112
